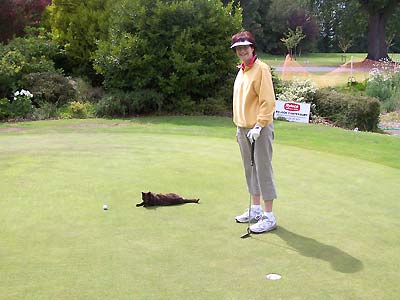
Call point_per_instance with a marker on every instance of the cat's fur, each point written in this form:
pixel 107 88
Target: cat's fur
pixel 152 199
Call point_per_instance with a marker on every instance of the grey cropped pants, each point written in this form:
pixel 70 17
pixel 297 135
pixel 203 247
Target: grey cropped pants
pixel 262 180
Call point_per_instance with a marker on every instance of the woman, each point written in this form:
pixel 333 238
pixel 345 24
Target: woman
pixel 253 109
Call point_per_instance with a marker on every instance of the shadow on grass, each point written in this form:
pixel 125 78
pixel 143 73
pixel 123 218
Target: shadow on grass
pixel 339 260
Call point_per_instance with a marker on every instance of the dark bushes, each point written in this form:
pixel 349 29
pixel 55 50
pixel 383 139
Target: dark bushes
pixel 49 87
pixel 123 104
pixel 348 111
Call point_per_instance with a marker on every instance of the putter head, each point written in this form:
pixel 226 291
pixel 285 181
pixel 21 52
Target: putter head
pixel 246 235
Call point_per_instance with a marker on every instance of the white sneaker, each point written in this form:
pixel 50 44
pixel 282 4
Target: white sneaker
pixel 255 215
pixel 263 225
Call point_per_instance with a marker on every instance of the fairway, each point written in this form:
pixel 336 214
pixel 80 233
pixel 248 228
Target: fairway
pixel 337 212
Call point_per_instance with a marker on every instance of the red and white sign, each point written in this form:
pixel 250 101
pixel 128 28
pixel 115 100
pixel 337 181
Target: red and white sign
pixel 290 106
pixel 292 111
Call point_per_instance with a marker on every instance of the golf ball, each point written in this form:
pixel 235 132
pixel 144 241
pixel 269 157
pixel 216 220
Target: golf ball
pixel 105 207
pixel 273 276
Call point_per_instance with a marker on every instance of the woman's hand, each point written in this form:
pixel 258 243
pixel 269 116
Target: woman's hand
pixel 254 133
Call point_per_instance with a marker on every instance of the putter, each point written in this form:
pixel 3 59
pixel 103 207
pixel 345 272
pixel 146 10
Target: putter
pixel 247 234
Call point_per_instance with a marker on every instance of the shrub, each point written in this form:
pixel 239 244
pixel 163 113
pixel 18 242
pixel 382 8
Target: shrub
pixel 45 111
pixel 348 111
pixel 277 82
pixel 111 106
pixel 80 110
pixel 124 104
pixel 5 109
pixel 50 87
pixel 23 56
pixel 86 92
pixel 384 84
pixel 220 104
pixel 11 64
pixel 360 86
pixel 77 110
pixel 298 91
pixel 214 106
pixel 21 105
pixel 179 49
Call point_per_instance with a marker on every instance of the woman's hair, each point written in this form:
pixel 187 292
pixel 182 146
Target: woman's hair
pixel 242 37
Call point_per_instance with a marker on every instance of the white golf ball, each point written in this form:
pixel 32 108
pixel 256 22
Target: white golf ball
pixel 273 276
pixel 105 207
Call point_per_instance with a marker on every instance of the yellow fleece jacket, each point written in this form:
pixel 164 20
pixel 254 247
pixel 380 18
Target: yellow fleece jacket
pixel 253 96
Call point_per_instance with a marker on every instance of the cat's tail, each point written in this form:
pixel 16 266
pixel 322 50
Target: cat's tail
pixel 191 200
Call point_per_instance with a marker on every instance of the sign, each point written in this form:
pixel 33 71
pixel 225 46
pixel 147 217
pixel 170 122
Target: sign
pixel 292 111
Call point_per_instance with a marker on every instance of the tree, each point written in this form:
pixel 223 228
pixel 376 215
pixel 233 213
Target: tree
pixel 301 18
pixel 252 16
pixel 338 20
pixel 362 21
pixel 284 14
pixel 379 12
pixel 267 19
pixel 292 39
pixel 344 43
pixel 77 26
pixel 15 15
pixel 392 30
pixel 179 49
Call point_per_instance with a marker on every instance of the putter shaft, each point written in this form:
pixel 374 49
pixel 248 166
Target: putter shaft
pixel 246 235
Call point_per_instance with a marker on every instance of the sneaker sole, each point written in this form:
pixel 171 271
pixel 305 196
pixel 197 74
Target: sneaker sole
pixel 241 222
pixel 271 229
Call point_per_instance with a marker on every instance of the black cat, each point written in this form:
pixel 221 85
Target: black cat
pixel 152 199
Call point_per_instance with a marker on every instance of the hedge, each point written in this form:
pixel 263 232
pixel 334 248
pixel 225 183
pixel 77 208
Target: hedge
pixel 348 111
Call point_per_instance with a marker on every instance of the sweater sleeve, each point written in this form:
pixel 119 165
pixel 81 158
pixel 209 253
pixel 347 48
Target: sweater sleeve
pixel 266 98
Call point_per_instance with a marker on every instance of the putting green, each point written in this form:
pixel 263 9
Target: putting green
pixel 338 219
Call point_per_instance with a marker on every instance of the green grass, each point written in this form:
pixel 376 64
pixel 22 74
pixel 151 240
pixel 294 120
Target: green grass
pixel 337 211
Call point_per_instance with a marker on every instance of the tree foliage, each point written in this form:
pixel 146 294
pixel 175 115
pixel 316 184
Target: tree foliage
pixel 292 39
pixel 15 15
pixel 22 56
pixel 177 48
pixel 329 26
pixel 379 11
pixel 363 23
pixel 77 26
pixel 268 19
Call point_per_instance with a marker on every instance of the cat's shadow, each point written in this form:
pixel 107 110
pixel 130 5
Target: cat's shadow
pixel 155 207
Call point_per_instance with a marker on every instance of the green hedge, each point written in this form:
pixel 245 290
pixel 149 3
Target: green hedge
pixel 348 111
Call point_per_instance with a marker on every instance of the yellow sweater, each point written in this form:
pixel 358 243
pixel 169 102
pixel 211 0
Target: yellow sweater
pixel 253 96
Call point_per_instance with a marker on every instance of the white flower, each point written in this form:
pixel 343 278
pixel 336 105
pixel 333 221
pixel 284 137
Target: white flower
pixel 298 90
pixel 23 92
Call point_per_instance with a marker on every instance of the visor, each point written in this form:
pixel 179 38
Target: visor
pixel 241 43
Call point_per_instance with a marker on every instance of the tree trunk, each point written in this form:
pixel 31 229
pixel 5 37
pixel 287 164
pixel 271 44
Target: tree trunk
pixel 377 48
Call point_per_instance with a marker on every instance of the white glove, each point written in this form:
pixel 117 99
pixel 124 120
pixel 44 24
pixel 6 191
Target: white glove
pixel 254 133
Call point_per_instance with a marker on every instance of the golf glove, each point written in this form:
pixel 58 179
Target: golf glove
pixel 254 133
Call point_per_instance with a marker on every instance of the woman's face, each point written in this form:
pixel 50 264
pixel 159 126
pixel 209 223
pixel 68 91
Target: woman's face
pixel 245 53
